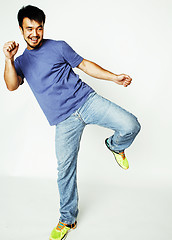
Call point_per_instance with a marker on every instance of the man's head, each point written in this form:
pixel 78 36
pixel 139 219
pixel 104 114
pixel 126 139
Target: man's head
pixel 31 22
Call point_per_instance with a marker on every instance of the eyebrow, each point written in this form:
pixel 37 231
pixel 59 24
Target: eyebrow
pixel 37 27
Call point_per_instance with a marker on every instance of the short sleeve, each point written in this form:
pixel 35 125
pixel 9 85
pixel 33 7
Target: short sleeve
pixel 18 70
pixel 70 55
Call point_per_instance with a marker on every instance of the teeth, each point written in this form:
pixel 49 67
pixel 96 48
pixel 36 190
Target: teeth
pixel 33 39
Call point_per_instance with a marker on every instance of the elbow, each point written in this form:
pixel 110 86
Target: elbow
pixel 11 88
pixel 11 82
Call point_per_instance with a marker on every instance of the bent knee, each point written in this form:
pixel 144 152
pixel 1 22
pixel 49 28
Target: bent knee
pixel 136 127
pixel 132 127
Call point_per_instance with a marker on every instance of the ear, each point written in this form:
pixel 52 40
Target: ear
pixel 21 30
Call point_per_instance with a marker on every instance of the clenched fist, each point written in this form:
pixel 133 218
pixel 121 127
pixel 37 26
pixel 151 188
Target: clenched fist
pixel 10 49
pixel 123 79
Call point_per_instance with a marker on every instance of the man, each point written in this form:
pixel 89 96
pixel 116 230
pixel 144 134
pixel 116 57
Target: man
pixel 68 103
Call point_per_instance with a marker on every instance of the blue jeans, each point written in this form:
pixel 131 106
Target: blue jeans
pixel 96 110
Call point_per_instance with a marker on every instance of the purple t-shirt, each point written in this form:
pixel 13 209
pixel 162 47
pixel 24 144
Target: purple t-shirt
pixel 48 71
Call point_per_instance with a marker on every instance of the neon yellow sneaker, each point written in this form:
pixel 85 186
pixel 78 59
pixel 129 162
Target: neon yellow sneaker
pixel 120 157
pixel 60 232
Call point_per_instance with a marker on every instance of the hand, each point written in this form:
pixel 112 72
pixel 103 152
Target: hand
pixel 123 79
pixel 10 49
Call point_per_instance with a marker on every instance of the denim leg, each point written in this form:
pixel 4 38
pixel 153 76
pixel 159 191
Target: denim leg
pixel 100 111
pixel 68 135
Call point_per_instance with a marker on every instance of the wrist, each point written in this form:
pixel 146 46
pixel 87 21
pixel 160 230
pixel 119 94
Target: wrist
pixel 115 78
pixel 9 60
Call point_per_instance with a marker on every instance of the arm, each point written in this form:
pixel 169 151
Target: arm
pixel 96 71
pixel 10 76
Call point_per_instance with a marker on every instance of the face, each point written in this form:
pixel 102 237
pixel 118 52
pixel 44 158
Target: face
pixel 33 33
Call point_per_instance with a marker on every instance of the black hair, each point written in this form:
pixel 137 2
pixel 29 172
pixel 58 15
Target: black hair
pixel 31 12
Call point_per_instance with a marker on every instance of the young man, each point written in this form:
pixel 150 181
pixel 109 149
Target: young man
pixel 68 103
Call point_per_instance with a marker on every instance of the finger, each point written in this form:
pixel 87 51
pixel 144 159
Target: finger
pixel 12 47
pixel 128 78
pixel 9 47
pixel 8 43
pixel 126 83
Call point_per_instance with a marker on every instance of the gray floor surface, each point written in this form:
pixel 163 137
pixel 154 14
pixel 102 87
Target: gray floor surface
pixel 29 210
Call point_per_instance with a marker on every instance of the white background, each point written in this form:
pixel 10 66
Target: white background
pixel 132 37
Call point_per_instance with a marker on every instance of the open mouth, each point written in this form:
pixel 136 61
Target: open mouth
pixel 34 40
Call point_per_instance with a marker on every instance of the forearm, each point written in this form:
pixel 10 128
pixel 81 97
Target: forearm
pixel 96 71
pixel 10 75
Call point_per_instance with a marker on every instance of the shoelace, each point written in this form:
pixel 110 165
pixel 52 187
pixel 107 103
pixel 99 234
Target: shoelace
pixel 122 155
pixel 60 226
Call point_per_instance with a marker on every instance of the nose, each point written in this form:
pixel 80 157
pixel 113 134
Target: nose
pixel 34 33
